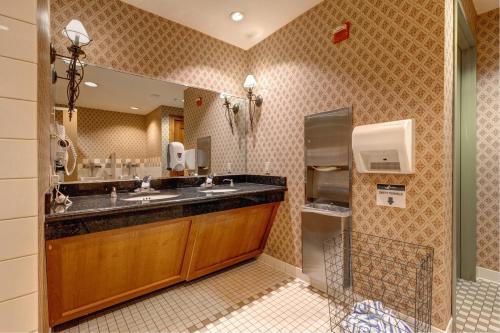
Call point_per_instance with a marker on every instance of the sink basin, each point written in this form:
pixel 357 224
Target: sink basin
pixel 91 179
pixel 152 197
pixel 225 190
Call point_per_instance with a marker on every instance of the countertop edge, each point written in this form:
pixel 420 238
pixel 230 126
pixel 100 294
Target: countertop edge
pixel 51 218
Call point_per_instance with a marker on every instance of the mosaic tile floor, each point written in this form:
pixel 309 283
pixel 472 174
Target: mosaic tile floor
pixel 252 297
pixel 478 306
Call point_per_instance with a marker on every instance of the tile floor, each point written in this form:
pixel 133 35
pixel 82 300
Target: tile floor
pixel 478 306
pixel 252 297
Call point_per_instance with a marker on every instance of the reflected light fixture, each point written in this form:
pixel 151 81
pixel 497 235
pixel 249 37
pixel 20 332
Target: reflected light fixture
pixel 134 108
pixel 237 16
pixel 91 84
pixel 230 110
pixel 254 101
pixel 78 36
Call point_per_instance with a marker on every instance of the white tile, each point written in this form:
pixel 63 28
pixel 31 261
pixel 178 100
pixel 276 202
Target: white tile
pixel 18 79
pixel 19 314
pixel 19 158
pixel 22 35
pixel 17 119
pixel 18 237
pixel 18 277
pixel 24 10
pixel 18 198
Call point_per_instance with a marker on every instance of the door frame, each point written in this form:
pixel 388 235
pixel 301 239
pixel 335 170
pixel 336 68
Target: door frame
pixel 464 159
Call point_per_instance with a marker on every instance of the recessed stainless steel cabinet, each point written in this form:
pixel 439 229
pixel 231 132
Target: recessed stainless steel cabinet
pixel 328 160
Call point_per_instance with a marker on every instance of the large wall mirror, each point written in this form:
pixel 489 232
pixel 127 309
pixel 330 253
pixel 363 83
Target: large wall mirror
pixel 128 127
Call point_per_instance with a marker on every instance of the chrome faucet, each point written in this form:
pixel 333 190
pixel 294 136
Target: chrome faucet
pixel 145 185
pixel 231 182
pixel 209 182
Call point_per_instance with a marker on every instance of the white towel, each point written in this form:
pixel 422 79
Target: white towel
pixel 372 317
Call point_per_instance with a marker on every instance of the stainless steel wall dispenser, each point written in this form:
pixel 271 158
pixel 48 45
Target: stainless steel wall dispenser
pixel 327 209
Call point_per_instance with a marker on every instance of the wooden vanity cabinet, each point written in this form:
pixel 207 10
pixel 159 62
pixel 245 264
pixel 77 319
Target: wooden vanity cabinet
pixel 91 272
pixel 225 238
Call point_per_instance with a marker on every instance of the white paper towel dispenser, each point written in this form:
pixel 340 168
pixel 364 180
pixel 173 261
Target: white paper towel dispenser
pixel 385 147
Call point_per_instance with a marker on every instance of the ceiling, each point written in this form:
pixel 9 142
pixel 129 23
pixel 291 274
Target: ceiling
pixel 119 91
pixel 262 17
pixel 483 6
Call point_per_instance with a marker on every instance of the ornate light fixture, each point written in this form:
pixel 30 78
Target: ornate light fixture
pixel 254 101
pixel 230 110
pixel 76 33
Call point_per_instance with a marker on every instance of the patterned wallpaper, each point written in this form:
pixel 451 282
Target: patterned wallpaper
pixel 209 120
pixel 391 68
pixel 102 132
pixel 132 40
pixel 153 133
pixel 488 141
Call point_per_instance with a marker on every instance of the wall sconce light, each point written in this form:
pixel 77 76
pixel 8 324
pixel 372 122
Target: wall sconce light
pixel 254 101
pixel 230 110
pixel 76 33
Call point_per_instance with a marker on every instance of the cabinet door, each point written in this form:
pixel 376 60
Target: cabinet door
pixel 90 272
pixel 225 238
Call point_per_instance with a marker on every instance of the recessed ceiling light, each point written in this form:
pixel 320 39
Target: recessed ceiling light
pixel 4 27
pixel 237 16
pixel 134 108
pixel 91 84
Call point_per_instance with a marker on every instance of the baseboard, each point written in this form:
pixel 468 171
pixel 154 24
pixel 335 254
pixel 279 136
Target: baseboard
pixel 487 274
pixel 296 272
pixel 284 267
pixel 448 329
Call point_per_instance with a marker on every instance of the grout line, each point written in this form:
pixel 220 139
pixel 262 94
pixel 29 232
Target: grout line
pixel 17 59
pixel 19 257
pixel 18 99
pixel 17 218
pixel 18 178
pixel 20 296
pixel 17 139
pixel 19 20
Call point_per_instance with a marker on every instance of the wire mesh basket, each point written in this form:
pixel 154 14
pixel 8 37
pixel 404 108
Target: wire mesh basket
pixel 376 284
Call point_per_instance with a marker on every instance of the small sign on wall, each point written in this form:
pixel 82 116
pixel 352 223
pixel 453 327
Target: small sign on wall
pixel 391 195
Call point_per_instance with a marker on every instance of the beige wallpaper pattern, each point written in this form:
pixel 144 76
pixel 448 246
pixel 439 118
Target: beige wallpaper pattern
pixel 101 133
pixel 488 141
pixel 153 133
pixel 132 40
pixel 209 120
pixel 391 68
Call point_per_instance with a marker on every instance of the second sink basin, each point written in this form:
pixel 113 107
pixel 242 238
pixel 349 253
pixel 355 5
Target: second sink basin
pixel 152 197
pixel 225 190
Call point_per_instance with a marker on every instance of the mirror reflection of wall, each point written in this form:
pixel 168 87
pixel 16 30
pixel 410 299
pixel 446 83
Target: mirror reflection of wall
pixel 124 124
pixel 203 155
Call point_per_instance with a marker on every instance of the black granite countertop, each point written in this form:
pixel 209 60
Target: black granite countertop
pixel 99 205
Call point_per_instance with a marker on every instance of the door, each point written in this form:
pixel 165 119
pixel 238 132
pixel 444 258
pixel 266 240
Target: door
pixel 176 131
pixel 464 163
